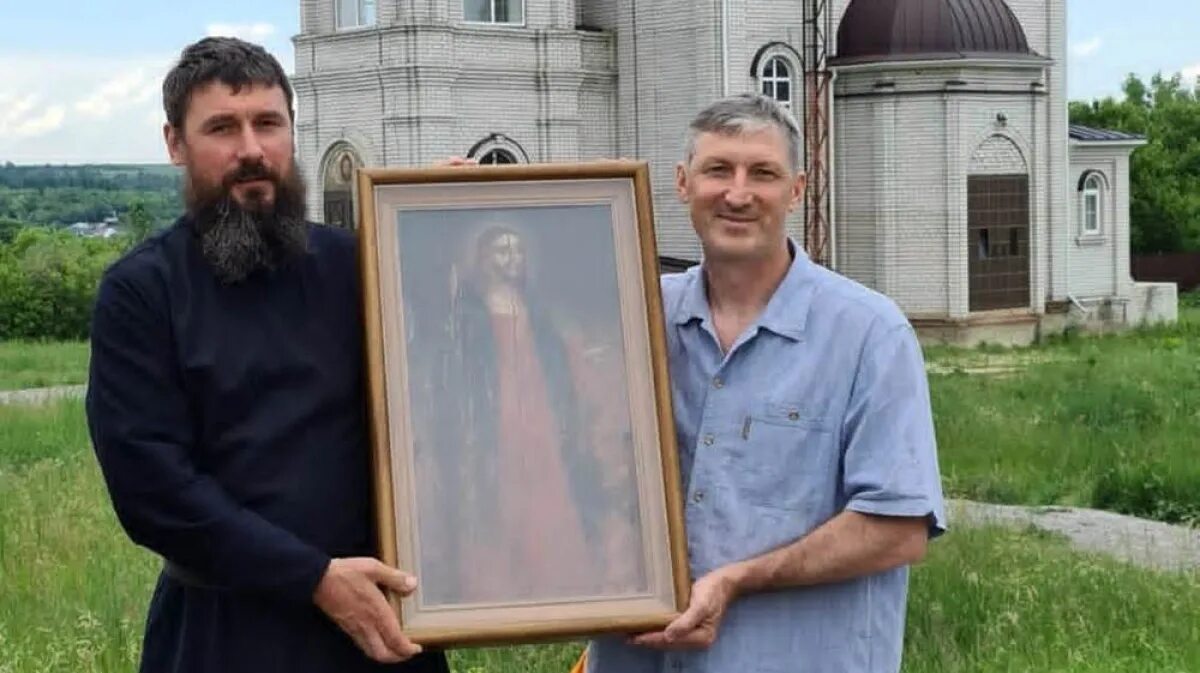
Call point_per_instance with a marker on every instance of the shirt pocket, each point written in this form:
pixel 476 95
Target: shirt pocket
pixel 783 457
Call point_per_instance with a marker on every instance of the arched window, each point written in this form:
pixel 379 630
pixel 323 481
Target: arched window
pixel 338 186
pixel 1090 207
pixel 497 149
pixel 775 80
pixel 497 156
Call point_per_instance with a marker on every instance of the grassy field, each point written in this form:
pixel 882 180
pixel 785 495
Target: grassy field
pixel 1110 422
pixel 26 364
pixel 73 589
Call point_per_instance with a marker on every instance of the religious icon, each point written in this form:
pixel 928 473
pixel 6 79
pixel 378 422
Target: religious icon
pixel 528 448
pixel 346 167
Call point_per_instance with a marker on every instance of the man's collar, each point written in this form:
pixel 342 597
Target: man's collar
pixel 787 311
pixel 693 304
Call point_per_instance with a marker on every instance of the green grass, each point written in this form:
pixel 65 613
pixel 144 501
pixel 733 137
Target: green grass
pixel 73 589
pixel 1110 422
pixel 995 600
pixel 31 433
pixel 32 364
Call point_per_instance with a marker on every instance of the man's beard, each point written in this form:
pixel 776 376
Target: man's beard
pixel 237 240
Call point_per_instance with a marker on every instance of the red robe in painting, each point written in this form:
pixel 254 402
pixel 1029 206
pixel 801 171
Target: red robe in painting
pixel 538 534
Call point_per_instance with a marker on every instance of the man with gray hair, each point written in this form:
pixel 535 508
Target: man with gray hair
pixel 804 427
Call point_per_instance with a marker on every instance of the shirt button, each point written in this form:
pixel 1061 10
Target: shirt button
pixel 793 415
pixel 698 497
pixel 708 440
pixel 718 383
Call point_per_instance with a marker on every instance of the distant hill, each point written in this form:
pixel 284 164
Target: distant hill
pixel 151 177
pixel 63 195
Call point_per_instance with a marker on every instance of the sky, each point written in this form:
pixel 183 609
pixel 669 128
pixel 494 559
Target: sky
pixel 80 81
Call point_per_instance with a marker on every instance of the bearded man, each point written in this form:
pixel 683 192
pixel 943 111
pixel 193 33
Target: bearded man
pixel 225 400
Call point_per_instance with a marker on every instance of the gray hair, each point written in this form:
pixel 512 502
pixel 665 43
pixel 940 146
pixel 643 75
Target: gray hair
pixel 742 113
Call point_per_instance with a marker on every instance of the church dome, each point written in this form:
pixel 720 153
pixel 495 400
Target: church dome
pixel 907 30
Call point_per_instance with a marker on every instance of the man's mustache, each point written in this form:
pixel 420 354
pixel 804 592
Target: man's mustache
pixel 248 171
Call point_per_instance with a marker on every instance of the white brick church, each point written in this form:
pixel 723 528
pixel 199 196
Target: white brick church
pixel 943 169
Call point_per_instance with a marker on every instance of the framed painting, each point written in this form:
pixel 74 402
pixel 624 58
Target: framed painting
pixel 524 449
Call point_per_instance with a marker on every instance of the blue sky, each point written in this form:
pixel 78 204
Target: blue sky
pixel 79 81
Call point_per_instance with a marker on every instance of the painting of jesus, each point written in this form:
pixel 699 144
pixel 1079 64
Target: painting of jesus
pixel 529 432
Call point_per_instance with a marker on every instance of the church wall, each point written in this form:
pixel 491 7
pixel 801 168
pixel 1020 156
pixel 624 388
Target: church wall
pixel 855 175
pixel 337 113
pixel 909 218
pixel 410 96
pixel 637 91
pixel 602 14
pixel 1098 269
pixel 913 245
pixel 1045 22
pixel 667 71
pixel 892 196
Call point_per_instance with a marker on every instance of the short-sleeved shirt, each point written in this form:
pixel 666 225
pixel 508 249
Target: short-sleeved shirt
pixel 820 406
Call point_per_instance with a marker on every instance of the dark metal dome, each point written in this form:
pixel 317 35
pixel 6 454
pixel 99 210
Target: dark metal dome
pixel 905 30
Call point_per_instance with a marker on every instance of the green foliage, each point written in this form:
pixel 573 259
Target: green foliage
pixel 9 228
pixel 64 195
pixel 138 222
pixel 1149 490
pixel 1164 174
pixel 109 177
pixel 1106 422
pixel 48 283
pixel 62 206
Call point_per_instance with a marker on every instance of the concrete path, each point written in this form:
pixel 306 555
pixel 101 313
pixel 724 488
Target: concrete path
pixel 1150 544
pixel 40 395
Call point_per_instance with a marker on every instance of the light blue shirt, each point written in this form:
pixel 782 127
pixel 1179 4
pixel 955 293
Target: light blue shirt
pixel 821 405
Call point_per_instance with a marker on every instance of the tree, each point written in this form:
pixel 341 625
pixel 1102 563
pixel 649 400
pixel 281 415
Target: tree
pixel 9 228
pixel 1165 174
pixel 139 221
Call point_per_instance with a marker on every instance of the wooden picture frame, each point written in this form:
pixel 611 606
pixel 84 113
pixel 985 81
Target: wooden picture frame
pixel 525 466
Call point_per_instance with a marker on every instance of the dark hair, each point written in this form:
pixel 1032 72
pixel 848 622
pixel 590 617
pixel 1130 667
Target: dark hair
pixel 233 62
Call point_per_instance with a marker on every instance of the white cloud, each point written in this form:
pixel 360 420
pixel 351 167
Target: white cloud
pixel 132 88
pixel 1191 73
pixel 26 117
pixel 67 108
pixel 1087 47
pixel 262 33
pixel 13 108
pixel 75 109
pixel 50 119
pixel 252 32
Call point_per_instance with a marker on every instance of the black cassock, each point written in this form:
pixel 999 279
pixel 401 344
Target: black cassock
pixel 229 423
